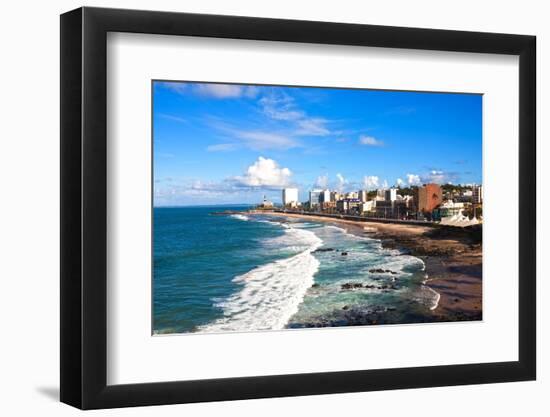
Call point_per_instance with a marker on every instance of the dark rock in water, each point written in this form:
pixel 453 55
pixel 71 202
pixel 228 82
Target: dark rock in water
pixel 315 285
pixel 344 253
pixel 324 250
pixel 360 315
pixel 382 271
pixel 351 285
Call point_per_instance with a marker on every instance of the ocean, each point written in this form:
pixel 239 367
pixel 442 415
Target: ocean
pixel 240 272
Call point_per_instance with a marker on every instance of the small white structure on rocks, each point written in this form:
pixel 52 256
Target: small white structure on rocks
pixel 459 220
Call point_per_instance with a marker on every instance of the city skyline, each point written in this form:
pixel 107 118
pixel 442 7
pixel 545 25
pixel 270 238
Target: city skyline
pixel 231 144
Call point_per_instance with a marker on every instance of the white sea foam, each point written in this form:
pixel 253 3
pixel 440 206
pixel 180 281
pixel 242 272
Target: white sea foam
pixel 396 262
pixel 436 299
pixel 399 263
pixel 293 239
pixel 240 217
pixel 271 293
pixel 341 229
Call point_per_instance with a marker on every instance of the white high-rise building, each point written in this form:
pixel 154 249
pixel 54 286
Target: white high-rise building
pixel 314 197
pixel 324 197
pixel 363 195
pixel 391 194
pixel 477 194
pixel 290 196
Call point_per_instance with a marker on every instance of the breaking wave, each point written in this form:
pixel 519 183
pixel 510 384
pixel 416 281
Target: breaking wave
pixel 271 293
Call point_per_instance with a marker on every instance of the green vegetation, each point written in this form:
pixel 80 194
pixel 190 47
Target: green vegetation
pixel 455 188
pixel 408 190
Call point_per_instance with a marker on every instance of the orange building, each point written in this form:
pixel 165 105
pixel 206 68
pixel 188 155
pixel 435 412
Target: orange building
pixel 428 197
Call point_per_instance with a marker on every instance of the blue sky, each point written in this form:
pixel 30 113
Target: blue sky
pixel 230 144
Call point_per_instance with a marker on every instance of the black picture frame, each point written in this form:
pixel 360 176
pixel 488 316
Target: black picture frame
pixel 84 207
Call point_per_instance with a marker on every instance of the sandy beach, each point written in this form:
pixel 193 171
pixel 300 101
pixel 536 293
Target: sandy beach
pixel 453 259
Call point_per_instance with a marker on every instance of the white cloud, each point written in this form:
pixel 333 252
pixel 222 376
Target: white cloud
pixel 370 141
pixel 262 176
pixel 371 182
pixel 439 177
pixel 280 107
pixel 194 189
pixel 434 176
pixel 178 87
pixel 258 140
pixel 385 184
pixel 322 181
pixel 413 179
pixel 220 91
pixel 225 90
pixel 312 127
pixel 341 182
pixel 399 182
pixel 265 172
pixel 222 147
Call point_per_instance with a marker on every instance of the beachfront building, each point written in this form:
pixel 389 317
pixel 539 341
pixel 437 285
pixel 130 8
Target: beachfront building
pixel 348 205
pixel 314 198
pixel 401 208
pixel 428 197
pixel 367 206
pixel 477 194
pixel 390 194
pixel 266 204
pixel 384 208
pixel 448 209
pixel 324 196
pixel 335 196
pixel 290 197
pixel 328 206
pixel 409 203
pixel 464 198
pixel 363 196
pixel 352 195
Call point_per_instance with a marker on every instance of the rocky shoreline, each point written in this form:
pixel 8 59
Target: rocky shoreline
pixel 453 259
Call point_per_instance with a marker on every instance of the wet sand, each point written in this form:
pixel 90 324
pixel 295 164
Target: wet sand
pixel 453 259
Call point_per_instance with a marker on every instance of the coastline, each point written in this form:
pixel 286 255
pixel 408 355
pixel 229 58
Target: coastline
pixel 453 259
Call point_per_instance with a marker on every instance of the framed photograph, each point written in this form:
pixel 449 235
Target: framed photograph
pixel 256 208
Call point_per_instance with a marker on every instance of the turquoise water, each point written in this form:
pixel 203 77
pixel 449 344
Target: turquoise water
pixel 250 272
